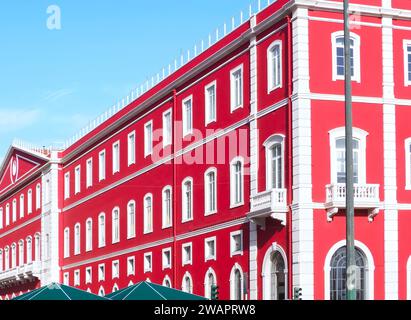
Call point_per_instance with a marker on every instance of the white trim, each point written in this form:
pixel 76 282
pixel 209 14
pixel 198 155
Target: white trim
pixel 131 231
pixel 167 278
pixel 184 208
pixel 206 241
pixel 102 168
pixel 89 270
pixel 234 204
pixel 232 234
pixel 67 185
pixel 77 179
pixel 148 220
pixel 148 145
pixel 232 88
pixel 76 281
pixel 77 239
pixel 406 43
pixel 116 157
pixel 163 207
pixel 101 272
pixel 168 135
pixel 113 240
pixel 370 268
pixel 187 131
pixel 407 145
pixel 184 259
pixel 270 142
pixel 207 210
pixel 89 237
pixel 270 67
pixel 89 173
pixel 357 56
pixel 113 265
pixel 266 271
pixel 146 266
pixel 163 253
pixel 66 242
pixel 207 119
pixel 102 244
pixel 131 148
pixel 232 273
pixel 131 272
pixel 190 290
pixel 209 271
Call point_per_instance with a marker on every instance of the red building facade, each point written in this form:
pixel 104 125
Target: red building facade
pixel 230 170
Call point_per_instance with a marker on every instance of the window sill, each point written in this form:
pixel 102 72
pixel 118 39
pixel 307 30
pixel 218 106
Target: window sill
pixel 148 231
pixel 210 259
pixel 270 90
pixel 237 253
pixel 166 227
pixel 186 220
pixel 236 205
pixel 233 109
pixel 210 213
pixel 166 267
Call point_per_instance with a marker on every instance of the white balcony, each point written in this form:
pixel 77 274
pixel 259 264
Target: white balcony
pixel 366 196
pixel 20 274
pixel 272 203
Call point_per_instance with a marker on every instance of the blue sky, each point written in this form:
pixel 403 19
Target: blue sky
pixel 53 82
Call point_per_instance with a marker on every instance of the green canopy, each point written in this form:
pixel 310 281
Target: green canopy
pixel 56 291
pixel 150 291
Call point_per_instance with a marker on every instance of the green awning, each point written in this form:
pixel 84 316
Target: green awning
pixel 150 291
pixel 56 291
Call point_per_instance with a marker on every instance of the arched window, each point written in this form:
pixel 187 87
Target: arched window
pixel 37 247
pixel 29 250
pixel 101 292
pixel 101 230
pixel 38 196
pixel 236 283
pixel 148 213
pixel 67 242
pixel 13 256
pixel 210 191
pixel 167 282
pixel 274 273
pixel 339 59
pixel 21 205
pixel 7 214
pixel 187 285
pixel 274 153
pixel 187 199
pixel 14 210
pixel 167 207
pixel 21 253
pixel 237 182
pixel 274 62
pixel 209 280
pixel 131 219
pixel 89 234
pixel 6 258
pixel 338 274
pixel 116 225
pixel 115 288
pixel 29 201
pixel 77 239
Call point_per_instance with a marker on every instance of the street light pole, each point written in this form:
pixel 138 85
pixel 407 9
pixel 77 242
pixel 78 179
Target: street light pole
pixel 351 267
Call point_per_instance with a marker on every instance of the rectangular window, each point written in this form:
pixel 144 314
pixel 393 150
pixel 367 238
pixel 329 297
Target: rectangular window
pixel 237 183
pixel 88 275
pixel 187 200
pixel 148 262
pixel 187 253
pixel 407 62
pixel 1 221
pixel 167 128
pixel 236 88
pixel 101 272
pixel 148 138
pixel 7 214
pixel 131 266
pixel 14 210
pixel 89 173
pixel 67 185
pixel 116 269
pixel 30 201
pixel 21 206
pixel 102 165
pixel 236 244
pixel 211 102
pixel 167 207
pixel 77 277
pixel 116 226
pixel 116 157
pixel 77 179
pixel 210 187
pixel 166 258
pixel 210 249
pixel 131 148
pixel 66 279
pixel 38 196
pixel 188 116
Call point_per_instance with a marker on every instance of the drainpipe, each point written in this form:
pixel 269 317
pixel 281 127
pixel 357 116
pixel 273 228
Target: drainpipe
pixel 174 253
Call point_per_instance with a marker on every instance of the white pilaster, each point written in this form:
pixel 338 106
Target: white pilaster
pixel 390 161
pixel 302 213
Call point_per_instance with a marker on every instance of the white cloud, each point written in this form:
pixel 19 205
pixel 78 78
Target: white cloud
pixel 17 119
pixel 52 96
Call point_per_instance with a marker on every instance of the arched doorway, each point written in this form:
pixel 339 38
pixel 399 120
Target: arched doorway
pixel 275 274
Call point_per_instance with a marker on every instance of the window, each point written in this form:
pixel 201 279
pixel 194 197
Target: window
pixel 13 256
pixel 131 148
pixel 89 234
pixel 67 185
pixel 408 164
pixel 21 253
pixel 339 59
pixel 167 282
pixel 237 182
pixel 89 173
pixel 29 252
pixel 210 249
pixel 407 62
pixel 101 230
pixel 66 279
pixel 88 275
pixel 37 247
pixel 274 148
pixel 337 142
pixel 21 205
pixel 148 213
pixel 187 285
pixel 166 258
pixel 187 199
pixel 116 225
pixel 236 84
pixel 274 63
pixel 7 214
pixel 66 242
pixel 101 292
pixel 29 201
pixel 77 239
pixel 38 196
pixel 167 207
pixel 1 218
pixel 236 243
pixel 101 272
pixel 116 157
pixel 131 220
pixel 6 258
pixel 209 281
pixel 210 191
pixel 211 103
pixel 148 262
pixel 188 116
pixel 131 266
pixel 148 138
pixel 102 165
pixel 236 283
pixel 77 179
pixel 77 277
pixel 115 273
pixel 187 254
pixel 14 210
pixel 274 274
pixel 167 128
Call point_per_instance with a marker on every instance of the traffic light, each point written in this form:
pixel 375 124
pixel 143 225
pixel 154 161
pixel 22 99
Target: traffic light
pixel 297 293
pixel 214 292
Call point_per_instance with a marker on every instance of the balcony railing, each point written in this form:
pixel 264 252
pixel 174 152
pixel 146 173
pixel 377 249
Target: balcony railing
pixel 366 196
pixel 20 273
pixel 271 203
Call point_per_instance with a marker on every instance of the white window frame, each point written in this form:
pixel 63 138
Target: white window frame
pixel 184 259
pixel 206 256
pixel 21 205
pixel 207 210
pixel 148 268
pixel 77 179
pixel 1 218
pixel 89 235
pixel 29 201
pixel 113 229
pixel 148 228
pixel 148 145
pixel 7 218
pixel 407 145
pixel 208 118
pixel 234 107
pixel 232 281
pixel 131 148
pixel 163 255
pixel 357 56
pixel 270 67
pixel 184 207
pixel 187 275
pixel 66 243
pixel 102 272
pixel 131 271
pixel 14 210
pixel 89 173
pixel 116 157
pixel 101 231
pixel 77 239
pixel 89 275
pixel 359 135
pixel 187 131
pixel 29 249
pixel 407 81
pixel 66 278
pixel 102 165
pixel 67 185
pixel 76 277
pixel 268 144
pixel 233 203
pixel 167 135
pixel 131 228
pixel 232 244
pixel 38 196
pixel 164 207
pixel 115 263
